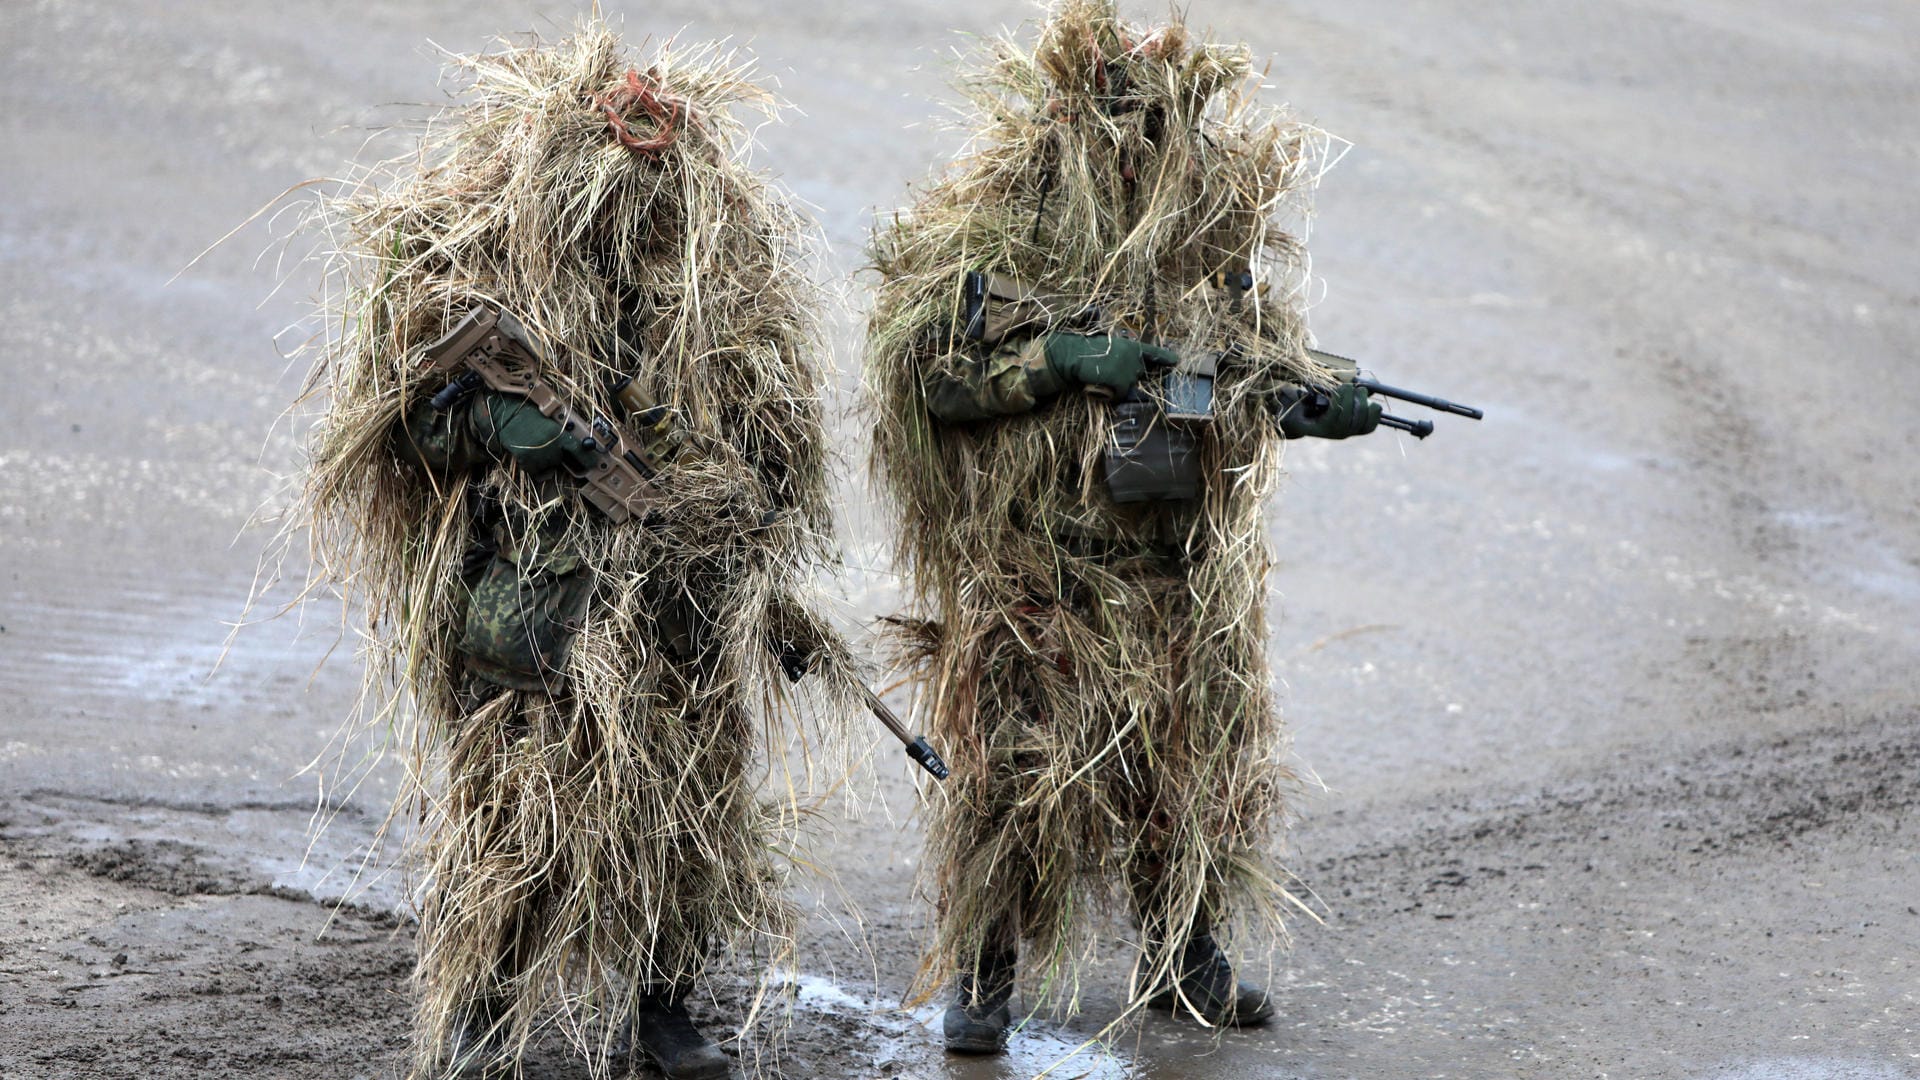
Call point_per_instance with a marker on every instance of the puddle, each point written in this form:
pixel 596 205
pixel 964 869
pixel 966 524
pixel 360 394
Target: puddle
pixel 908 1043
pixel 1810 1069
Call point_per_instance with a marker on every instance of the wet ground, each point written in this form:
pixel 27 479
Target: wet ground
pixel 1613 695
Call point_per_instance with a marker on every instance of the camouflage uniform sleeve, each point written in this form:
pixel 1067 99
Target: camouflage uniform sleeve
pixel 1013 379
pixel 451 441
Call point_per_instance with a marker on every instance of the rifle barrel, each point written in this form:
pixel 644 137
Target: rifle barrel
pixel 886 717
pixel 918 748
pixel 1417 398
pixel 1419 429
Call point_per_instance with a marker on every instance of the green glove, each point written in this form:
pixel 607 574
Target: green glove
pixel 1347 410
pixel 536 442
pixel 1103 360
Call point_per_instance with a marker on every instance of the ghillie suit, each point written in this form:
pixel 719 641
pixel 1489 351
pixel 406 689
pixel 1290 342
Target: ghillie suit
pixel 1096 670
pixel 582 700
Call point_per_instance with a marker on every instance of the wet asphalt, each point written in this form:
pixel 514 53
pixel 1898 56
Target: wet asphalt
pixel 1610 697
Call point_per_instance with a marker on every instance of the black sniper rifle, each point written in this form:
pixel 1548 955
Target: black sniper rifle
pixel 1349 371
pixel 492 349
pixel 996 306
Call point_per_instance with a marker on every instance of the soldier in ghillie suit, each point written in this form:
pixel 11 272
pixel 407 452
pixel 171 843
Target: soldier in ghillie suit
pixel 1087 350
pixel 584 675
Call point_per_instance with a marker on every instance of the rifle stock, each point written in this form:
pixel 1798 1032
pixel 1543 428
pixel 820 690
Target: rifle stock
pixel 997 307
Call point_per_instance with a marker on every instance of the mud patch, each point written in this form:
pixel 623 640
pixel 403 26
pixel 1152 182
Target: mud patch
pixel 1729 798
pixel 136 959
pixel 167 866
pixel 186 848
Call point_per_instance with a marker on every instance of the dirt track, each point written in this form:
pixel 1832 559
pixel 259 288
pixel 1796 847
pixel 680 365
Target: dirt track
pixel 1613 694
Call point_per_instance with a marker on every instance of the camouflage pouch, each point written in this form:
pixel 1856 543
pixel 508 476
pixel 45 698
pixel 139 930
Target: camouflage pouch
pixel 520 621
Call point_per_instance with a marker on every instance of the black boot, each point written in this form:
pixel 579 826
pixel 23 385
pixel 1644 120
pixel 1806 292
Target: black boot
pixel 1206 987
pixel 977 1021
pixel 662 1032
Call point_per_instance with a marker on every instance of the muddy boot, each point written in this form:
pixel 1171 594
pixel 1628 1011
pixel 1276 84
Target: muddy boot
pixel 1207 988
pixel 978 1019
pixel 662 1032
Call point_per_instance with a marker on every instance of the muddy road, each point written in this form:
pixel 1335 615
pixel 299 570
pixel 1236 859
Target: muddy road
pixel 1613 696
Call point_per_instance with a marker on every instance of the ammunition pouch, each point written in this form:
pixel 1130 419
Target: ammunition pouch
pixel 1148 457
pixel 1154 443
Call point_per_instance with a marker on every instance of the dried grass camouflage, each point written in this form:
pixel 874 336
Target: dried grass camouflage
pixel 1096 672
pixel 606 838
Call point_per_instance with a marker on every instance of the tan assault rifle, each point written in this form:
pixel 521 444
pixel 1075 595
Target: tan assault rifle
pixel 497 352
